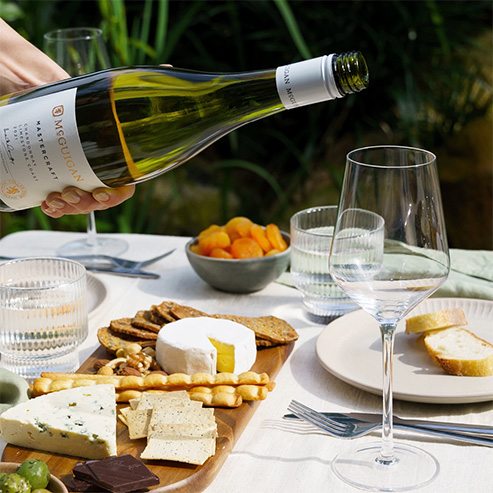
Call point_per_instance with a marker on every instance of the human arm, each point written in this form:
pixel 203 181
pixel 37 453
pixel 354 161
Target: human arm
pixel 23 66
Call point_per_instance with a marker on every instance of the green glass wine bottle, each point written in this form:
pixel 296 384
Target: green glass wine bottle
pixel 126 125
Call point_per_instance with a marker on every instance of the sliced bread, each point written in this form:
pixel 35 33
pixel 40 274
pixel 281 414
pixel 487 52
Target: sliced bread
pixel 460 352
pixel 454 317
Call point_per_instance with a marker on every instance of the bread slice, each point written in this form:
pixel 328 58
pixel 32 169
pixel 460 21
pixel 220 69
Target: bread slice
pixel 443 319
pixel 460 352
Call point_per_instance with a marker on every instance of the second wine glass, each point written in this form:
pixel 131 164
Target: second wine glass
pixel 389 253
pixel 80 51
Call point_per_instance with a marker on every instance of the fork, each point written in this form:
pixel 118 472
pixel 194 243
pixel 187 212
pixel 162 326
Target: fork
pixel 122 262
pixel 356 429
pixel 94 260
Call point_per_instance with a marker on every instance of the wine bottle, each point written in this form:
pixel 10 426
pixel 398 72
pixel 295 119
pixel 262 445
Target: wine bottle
pixel 126 125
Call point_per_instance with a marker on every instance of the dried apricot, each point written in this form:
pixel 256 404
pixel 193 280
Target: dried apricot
pixel 259 235
pixel 220 253
pixel 214 228
pixel 275 237
pixel 218 239
pixel 243 248
pixel 196 249
pixel 274 251
pixel 238 227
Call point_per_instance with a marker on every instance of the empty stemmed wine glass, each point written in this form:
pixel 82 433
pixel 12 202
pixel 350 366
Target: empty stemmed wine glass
pixel 80 51
pixel 389 253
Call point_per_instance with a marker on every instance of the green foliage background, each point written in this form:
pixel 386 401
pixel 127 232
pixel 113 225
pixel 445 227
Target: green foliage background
pixel 430 86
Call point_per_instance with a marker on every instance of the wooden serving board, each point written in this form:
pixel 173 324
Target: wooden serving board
pixel 174 476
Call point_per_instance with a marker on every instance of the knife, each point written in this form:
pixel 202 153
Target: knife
pixel 486 431
pixel 122 271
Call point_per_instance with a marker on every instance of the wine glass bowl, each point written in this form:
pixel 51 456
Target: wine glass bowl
pixel 80 51
pixel 389 252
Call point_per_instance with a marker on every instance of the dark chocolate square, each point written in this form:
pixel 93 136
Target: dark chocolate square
pixel 121 474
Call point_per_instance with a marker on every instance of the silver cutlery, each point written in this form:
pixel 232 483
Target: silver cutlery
pixel 106 260
pixel 122 271
pixel 115 265
pixel 120 262
pixel 484 430
pixel 352 428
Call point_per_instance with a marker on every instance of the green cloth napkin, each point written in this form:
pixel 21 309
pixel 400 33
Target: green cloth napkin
pixel 471 275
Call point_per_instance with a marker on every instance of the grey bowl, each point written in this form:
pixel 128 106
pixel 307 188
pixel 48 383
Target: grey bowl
pixel 239 276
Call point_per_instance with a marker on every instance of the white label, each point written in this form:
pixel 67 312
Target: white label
pixel 307 82
pixel 40 150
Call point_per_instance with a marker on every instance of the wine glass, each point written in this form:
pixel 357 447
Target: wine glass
pixel 80 51
pixel 389 253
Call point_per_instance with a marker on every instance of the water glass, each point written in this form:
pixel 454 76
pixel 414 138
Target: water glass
pixel 311 239
pixel 43 315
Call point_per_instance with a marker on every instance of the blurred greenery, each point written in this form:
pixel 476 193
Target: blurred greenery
pixel 431 72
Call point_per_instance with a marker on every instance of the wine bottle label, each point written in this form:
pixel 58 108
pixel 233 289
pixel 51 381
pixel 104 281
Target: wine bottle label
pixel 307 82
pixel 40 150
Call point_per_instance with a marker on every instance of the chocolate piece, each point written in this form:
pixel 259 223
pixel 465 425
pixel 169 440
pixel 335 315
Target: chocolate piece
pixel 117 474
pixel 74 484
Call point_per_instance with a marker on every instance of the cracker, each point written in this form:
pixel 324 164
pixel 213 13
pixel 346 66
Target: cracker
pixel 143 320
pixel 150 399
pixel 269 328
pixel 111 341
pixel 138 422
pixel 124 326
pixel 180 312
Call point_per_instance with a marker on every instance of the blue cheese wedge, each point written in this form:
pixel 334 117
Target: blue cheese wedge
pixel 205 345
pixel 79 421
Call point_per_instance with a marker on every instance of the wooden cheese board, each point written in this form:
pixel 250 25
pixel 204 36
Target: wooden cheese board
pixel 174 476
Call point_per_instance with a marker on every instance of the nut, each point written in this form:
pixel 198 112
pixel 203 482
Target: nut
pixel 140 361
pixel 131 348
pixel 99 363
pixel 105 370
pixel 114 363
pixel 128 370
pixel 158 372
pixel 150 351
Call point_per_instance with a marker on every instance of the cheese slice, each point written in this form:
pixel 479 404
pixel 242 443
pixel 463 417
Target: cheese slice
pixel 79 421
pixel 205 345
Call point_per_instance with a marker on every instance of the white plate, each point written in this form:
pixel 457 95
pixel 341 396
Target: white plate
pixel 97 294
pixel 350 349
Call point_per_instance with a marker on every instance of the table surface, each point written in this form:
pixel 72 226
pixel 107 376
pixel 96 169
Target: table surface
pixel 272 454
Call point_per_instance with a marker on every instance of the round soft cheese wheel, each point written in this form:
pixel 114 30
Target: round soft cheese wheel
pixel 205 345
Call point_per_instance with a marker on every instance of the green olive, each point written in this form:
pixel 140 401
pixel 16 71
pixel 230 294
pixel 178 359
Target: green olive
pixel 36 472
pixel 14 483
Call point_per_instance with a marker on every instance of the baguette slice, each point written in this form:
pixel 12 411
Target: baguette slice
pixel 460 352
pixel 443 319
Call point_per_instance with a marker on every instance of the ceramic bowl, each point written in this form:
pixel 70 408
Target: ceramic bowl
pixel 55 485
pixel 239 276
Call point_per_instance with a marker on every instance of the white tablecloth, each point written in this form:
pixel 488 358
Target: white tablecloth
pixel 272 454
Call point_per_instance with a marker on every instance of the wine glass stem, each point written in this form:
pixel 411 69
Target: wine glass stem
pixel 387 451
pixel 91 229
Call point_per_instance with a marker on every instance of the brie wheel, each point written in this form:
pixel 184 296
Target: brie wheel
pixel 205 345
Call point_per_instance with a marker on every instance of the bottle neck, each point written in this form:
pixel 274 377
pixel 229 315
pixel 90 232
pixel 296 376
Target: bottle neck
pixel 321 79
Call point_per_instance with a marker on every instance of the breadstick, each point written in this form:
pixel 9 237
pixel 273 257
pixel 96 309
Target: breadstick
pixel 221 390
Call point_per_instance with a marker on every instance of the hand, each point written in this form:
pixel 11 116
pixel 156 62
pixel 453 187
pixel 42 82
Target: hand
pixel 75 201
pixel 23 66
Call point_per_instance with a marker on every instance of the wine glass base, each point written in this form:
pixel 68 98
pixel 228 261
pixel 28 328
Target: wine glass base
pixel 100 246
pixel 362 468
